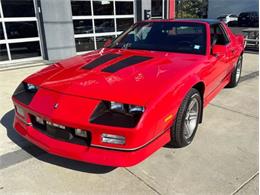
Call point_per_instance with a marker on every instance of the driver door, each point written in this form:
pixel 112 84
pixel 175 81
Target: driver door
pixel 219 63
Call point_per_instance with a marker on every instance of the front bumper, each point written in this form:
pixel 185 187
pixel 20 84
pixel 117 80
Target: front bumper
pixel 89 153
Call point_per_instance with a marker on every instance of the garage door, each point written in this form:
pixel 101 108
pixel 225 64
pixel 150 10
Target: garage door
pixel 19 34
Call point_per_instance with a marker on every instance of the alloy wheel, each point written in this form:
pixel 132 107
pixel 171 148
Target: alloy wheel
pixel 191 118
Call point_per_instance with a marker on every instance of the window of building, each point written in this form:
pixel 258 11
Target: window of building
pixel 103 20
pixel 104 25
pixel 124 8
pixel 81 8
pixel 101 40
pixel 25 50
pixel 83 26
pixel 85 44
pixel 19 37
pixel 16 30
pixel 103 7
pixel 3 52
pixel 1 32
pixel 124 23
pixel 21 8
pixel 157 6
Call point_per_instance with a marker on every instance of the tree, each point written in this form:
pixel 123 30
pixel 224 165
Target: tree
pixel 190 8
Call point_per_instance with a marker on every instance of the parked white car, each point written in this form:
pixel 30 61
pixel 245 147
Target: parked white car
pixel 228 18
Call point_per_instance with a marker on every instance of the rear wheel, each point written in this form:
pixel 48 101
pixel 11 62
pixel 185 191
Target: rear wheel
pixel 236 74
pixel 186 123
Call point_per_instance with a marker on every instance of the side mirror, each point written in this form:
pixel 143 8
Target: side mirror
pixel 108 43
pixel 218 50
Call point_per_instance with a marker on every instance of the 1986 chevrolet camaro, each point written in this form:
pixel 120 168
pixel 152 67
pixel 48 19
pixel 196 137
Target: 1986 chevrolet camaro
pixel 117 105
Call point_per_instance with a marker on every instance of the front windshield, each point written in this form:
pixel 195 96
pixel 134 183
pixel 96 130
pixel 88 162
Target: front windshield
pixel 181 37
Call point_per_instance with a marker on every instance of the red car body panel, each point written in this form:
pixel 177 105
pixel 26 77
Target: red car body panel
pixel 159 84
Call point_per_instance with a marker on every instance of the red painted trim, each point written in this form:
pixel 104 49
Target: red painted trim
pixel 171 14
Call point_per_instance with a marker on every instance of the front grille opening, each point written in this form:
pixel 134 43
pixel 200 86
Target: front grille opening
pixel 62 133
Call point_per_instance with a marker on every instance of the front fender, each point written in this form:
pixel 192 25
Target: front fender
pixel 163 108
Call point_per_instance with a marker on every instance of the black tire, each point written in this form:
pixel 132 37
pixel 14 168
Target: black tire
pixel 178 138
pixel 234 80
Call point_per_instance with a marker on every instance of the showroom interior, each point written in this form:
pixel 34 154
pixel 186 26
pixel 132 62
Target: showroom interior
pixel 51 30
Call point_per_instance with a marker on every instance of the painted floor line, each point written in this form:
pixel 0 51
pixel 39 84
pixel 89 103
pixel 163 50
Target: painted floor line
pixel 139 178
pixel 246 182
pixel 231 110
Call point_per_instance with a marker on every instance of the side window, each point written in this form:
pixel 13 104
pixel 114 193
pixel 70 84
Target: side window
pixel 138 34
pixel 142 33
pixel 218 35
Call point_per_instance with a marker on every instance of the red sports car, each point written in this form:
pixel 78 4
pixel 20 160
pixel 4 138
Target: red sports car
pixel 117 105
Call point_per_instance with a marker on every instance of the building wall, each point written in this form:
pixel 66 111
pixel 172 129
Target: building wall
pixel 51 30
pixel 220 7
pixel 58 29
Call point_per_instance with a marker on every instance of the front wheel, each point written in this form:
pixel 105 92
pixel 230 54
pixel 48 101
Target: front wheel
pixel 236 74
pixel 186 122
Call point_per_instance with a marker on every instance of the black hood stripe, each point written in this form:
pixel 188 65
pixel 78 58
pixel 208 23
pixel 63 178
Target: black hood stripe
pixel 101 60
pixel 125 63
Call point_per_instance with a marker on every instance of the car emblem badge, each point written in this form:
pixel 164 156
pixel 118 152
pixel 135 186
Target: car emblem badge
pixel 56 105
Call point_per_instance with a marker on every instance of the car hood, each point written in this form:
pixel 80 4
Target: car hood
pixel 134 84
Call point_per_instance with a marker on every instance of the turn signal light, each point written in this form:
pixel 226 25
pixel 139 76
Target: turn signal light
pixel 20 111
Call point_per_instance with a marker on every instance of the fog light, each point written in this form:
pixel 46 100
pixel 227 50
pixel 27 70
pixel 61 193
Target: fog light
pixel 81 133
pixel 113 139
pixel 39 120
pixel 20 111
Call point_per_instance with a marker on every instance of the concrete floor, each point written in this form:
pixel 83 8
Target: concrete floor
pixel 223 159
